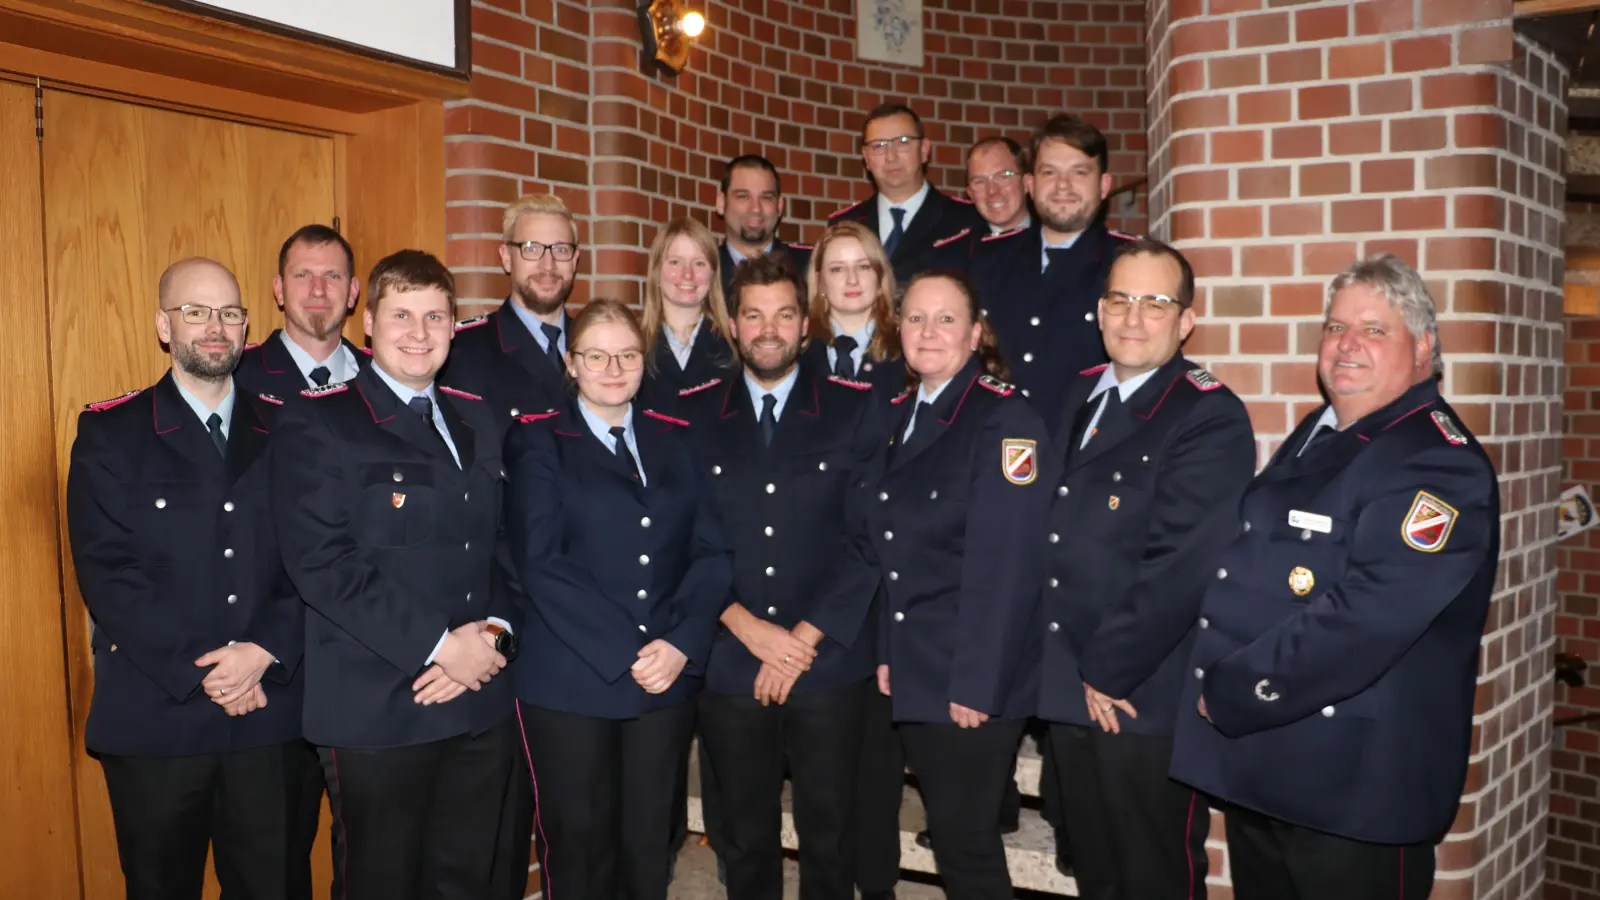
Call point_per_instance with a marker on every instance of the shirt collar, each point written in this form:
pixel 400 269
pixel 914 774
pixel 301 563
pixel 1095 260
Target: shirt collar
pixel 1108 380
pixel 911 205
pixel 304 361
pixel 737 257
pixel 925 396
pixel 1027 222
pixel 201 410
pixel 533 323
pixel 600 427
pixel 1046 247
pixel 672 336
pixel 403 392
pixel 862 337
pixel 780 391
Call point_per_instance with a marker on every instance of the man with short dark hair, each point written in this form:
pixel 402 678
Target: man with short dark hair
pixel 994 184
pixel 316 288
pixel 751 204
pixel 197 638
pixel 920 227
pixel 1334 674
pixel 1155 454
pixel 1041 285
pixel 388 506
pixel 790 670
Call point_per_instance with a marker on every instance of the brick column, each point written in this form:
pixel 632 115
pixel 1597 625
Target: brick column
pixel 1290 137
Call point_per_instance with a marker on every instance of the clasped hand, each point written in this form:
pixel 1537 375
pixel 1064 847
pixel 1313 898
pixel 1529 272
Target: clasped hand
pixel 234 682
pixel 465 662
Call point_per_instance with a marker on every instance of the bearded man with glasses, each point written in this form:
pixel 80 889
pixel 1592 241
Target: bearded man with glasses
pixel 197 630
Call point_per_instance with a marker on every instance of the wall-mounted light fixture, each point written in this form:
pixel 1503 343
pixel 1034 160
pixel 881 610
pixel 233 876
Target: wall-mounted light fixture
pixel 666 27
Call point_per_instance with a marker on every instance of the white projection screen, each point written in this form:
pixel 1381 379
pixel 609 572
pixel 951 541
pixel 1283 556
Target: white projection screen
pixel 415 31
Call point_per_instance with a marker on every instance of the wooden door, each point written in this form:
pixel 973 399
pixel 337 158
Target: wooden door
pixel 38 853
pixel 128 190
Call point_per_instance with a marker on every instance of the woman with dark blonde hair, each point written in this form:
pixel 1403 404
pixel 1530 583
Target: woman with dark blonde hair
pixel 685 318
pixel 851 321
pixel 624 571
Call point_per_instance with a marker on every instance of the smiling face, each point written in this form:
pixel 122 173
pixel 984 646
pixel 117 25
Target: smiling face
pixel 1146 334
pixel 685 274
pixel 410 333
pixel 541 286
pixel 1067 187
pixel 209 351
pixel 768 328
pixel 1368 356
pixel 937 329
pixel 849 280
pixel 751 207
pixel 994 182
pixel 897 169
pixel 316 290
pixel 611 384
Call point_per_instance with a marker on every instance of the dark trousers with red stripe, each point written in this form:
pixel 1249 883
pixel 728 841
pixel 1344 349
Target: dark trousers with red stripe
pixel 1273 860
pixel 420 822
pixel 1136 834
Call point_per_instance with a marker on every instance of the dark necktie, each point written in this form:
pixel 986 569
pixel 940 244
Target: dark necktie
pixel 1113 410
pixel 844 365
pixel 623 452
pixel 423 407
pixel 320 376
pixel 769 421
pixel 919 412
pixel 552 344
pixel 1056 259
pixel 217 437
pixel 895 233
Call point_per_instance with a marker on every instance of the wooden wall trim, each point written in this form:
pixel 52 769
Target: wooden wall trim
pixel 1525 8
pixel 162 41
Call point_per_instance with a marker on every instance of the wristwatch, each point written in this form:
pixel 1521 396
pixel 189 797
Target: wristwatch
pixel 505 640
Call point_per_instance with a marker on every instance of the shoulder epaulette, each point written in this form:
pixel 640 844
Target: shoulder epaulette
pixel 1448 427
pixel 806 247
pixel 996 385
pixel 902 398
pixel 473 322
pixel 534 417
pixel 665 418
pixel 958 199
pixel 1095 370
pixel 455 393
pixel 1203 380
pixel 270 399
pixel 251 346
pixel 953 238
pixel 691 391
pixel 103 405
pixel 1118 234
pixel 851 383
pixel 338 387
pixel 837 214
pixel 1004 234
pixel 366 350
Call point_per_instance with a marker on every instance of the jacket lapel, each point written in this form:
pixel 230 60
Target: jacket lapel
pixel 398 419
pixel 799 413
pixel 275 358
pixel 589 446
pixel 247 434
pixel 1140 408
pixel 925 222
pixel 738 418
pixel 932 423
pixel 519 343
pixel 179 428
pixel 461 432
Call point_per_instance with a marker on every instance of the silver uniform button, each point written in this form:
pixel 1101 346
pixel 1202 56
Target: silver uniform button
pixel 767 531
pixel 643 630
pixel 888 535
pixel 398 477
pixel 466 497
pixel 1054 627
pixel 467 546
pixel 1222 573
pixel 644 560
pixel 1027 357
pixel 933 495
pixel 772 610
pixel 1144 459
pixel 1055 582
pixel 822 467
pixel 716 470
pixel 227 506
pixel 1305 535
pixel 233 598
pixel 469 596
pixel 1055 538
pixel 1327 712
pixel 1025 393
pixel 771 571
pixel 1116 476
pixel 228 553
pixel 1246 525
pixel 644 522
pixel 772 488
pixel 1062 491
pixel 894 576
pixel 1200 673
pixel 1205 622
pixel 161 503
pixel 1088 317
pixel 515 412
pixel 1034 321
pixel 643 594
pixel 883 497
pixel 899 617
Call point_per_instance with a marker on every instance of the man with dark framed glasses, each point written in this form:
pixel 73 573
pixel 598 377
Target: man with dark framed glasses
pixel 995 184
pixel 512 356
pixel 316 288
pixel 1155 454
pixel 198 632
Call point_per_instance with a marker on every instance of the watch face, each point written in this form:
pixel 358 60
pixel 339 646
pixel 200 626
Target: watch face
pixel 505 643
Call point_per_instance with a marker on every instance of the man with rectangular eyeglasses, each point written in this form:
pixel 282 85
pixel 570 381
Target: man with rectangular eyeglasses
pixel 198 631
pixel 994 184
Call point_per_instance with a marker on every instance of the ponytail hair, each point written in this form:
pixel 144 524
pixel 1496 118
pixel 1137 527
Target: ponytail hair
pixel 989 356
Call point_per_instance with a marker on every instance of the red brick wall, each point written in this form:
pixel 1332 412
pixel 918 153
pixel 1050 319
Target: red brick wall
pixel 558 103
pixel 1287 139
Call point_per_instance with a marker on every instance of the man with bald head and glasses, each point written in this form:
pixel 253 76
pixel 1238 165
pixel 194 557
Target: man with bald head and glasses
pixel 197 630
pixel 1156 453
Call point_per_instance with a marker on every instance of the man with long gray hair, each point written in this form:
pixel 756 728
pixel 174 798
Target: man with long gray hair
pixel 1335 665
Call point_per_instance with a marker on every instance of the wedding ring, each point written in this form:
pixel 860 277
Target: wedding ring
pixel 786 660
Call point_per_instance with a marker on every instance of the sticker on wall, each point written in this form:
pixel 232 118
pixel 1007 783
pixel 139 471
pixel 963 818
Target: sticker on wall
pixel 889 31
pixel 1574 513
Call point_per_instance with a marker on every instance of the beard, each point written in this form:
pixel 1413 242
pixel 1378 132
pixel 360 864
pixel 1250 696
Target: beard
pixel 755 237
pixel 320 325
pixel 1070 223
pixel 776 370
pixel 527 291
pixel 205 365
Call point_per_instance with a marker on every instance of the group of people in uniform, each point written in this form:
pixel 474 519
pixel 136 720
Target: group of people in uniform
pixel 884 502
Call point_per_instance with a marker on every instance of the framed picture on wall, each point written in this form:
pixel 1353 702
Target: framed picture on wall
pixel 889 31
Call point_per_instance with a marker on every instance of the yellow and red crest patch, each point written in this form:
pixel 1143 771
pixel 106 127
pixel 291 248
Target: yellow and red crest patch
pixel 1428 524
pixel 1019 460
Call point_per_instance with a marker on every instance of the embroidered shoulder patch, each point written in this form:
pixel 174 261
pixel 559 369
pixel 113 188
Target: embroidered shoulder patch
pixel 103 405
pixel 953 238
pixel 996 385
pixel 473 322
pixel 1019 459
pixel 1448 427
pixel 666 418
pixel 902 398
pixel 338 387
pixel 851 383
pixel 1203 380
pixel 691 391
pixel 1428 524
pixel 1118 234
pixel 1096 370
pixel 535 417
pixel 455 393
pixel 838 213
pixel 1002 235
pixel 959 199
pixel 806 247
pixel 270 399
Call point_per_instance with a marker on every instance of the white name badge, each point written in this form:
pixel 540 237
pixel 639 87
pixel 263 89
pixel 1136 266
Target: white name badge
pixel 1310 521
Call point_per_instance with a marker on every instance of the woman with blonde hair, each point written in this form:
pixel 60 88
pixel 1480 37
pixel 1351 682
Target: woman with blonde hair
pixel 851 319
pixel 685 318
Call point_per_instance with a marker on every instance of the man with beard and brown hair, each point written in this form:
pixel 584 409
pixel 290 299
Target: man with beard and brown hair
pixel 750 203
pixel 1040 285
pixel 790 670
pixel 512 357
pixel 316 287
pixel 198 632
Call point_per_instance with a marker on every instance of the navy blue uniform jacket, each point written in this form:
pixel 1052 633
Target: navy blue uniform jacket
pixel 887 376
pixel 1141 514
pixel 176 556
pixel 936 238
pixel 1338 643
pixel 608 565
pixel 495 357
pixel 783 508
pixel 390 544
pixel 1046 321
pixel 955 523
pixel 796 256
pixel 710 358
pixel 267 367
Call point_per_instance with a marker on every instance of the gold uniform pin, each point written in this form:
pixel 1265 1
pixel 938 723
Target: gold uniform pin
pixel 1301 581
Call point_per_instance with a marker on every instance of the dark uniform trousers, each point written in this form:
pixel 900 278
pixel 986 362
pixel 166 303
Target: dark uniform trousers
pixel 607 565
pixel 1138 519
pixel 961 626
pixel 1338 652
pixel 391 543
pixel 176 556
pixel 783 506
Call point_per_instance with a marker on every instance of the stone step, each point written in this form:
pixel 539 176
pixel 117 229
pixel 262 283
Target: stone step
pixel 1030 852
